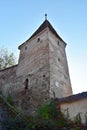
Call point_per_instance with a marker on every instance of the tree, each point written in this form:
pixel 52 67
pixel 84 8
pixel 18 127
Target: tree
pixel 6 59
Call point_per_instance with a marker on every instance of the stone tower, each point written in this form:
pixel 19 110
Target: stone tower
pixel 43 65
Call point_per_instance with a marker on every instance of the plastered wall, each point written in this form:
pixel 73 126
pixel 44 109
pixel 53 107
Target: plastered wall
pixel 75 107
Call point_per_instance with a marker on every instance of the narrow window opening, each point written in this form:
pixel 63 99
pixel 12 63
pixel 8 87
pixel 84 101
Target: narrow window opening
pixel 26 83
pixel 59 59
pixel 26 48
pixel 38 39
pixel 44 75
pixel 58 43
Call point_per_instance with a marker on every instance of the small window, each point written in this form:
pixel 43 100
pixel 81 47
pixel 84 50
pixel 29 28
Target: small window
pixel 58 43
pixel 38 39
pixel 26 48
pixel 59 59
pixel 44 75
pixel 26 83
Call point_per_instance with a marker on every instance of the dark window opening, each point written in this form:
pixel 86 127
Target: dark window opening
pixel 44 75
pixel 58 43
pixel 26 48
pixel 26 83
pixel 3 77
pixel 38 39
pixel 29 74
pixel 59 59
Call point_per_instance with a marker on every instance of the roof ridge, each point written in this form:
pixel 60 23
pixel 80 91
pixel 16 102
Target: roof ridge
pixel 44 25
pixel 41 27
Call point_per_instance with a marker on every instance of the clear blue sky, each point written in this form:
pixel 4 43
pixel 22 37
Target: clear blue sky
pixel 20 18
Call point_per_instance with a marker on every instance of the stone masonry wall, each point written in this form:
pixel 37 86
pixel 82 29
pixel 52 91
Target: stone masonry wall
pixel 36 93
pixel 26 99
pixel 33 55
pixel 28 82
pixel 41 73
pixel 34 66
pixel 60 85
pixel 8 81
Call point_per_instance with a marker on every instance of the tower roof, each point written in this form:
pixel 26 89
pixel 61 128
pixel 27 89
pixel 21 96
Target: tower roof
pixel 44 25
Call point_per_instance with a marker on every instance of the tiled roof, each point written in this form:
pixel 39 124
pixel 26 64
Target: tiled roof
pixel 72 98
pixel 45 24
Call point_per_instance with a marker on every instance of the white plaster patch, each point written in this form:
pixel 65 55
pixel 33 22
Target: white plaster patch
pixel 56 83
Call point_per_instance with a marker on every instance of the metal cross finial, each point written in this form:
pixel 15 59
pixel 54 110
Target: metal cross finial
pixel 45 16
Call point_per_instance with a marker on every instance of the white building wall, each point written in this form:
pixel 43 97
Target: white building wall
pixel 75 108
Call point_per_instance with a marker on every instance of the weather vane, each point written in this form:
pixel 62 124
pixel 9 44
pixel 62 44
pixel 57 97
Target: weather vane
pixel 45 16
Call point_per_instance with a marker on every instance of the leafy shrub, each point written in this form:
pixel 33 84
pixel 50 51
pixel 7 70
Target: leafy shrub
pixel 48 117
pixel 77 119
pixel 48 111
pixel 86 117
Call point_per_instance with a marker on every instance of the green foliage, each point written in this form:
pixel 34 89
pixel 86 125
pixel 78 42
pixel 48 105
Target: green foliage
pixel 0 92
pixel 46 114
pixel 48 111
pixel 77 119
pixel 77 128
pixel 6 59
pixel 10 100
pixel 66 113
pixel 48 117
pixel 86 117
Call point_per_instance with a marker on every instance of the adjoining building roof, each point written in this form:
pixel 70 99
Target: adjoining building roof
pixel 44 25
pixel 72 98
pixel 9 67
